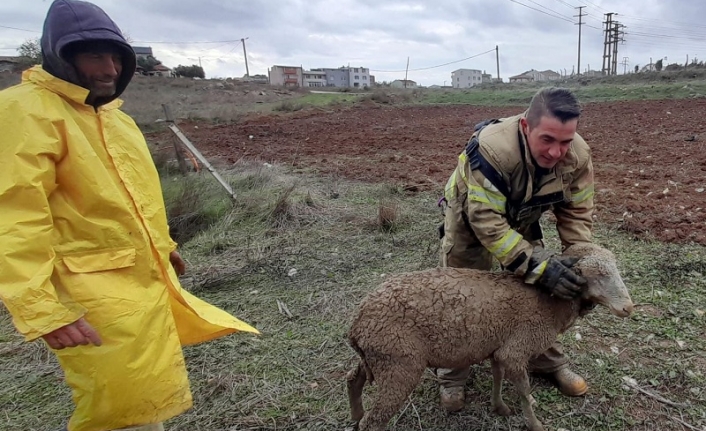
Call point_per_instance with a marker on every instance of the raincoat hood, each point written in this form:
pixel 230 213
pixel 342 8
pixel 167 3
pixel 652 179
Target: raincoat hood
pixel 71 21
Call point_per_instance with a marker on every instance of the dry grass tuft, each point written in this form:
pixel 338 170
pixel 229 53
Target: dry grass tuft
pixel 282 213
pixel 388 216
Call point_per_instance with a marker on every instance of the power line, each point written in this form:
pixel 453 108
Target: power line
pixel 551 10
pixel 434 67
pixel 666 45
pixel 600 20
pixel 19 29
pixel 638 33
pixel 596 6
pixel 187 43
pixel 628 17
pixel 566 4
pixel 697 34
pixel 541 11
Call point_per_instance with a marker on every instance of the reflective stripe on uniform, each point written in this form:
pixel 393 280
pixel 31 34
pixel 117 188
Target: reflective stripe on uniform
pixel 502 247
pixel 583 195
pixel 495 200
pixel 532 276
pixel 463 161
pixel 450 191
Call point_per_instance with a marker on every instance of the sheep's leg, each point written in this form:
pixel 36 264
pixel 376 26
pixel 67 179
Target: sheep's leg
pixel 355 380
pixel 395 383
pixel 521 381
pixel 497 402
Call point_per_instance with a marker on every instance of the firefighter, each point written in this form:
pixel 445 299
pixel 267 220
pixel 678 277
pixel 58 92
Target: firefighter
pixel 511 172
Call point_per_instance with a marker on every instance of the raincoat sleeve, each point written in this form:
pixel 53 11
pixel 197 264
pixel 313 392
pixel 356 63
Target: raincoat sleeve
pixel 575 218
pixel 172 244
pixel 29 148
pixel 486 216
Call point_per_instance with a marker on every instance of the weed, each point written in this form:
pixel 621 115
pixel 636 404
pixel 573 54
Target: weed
pixel 288 106
pixel 388 216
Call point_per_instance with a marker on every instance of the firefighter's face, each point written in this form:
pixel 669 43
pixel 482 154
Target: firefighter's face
pixel 549 140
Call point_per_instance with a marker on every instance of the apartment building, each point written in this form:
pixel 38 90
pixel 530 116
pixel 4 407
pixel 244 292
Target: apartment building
pixel 287 76
pixel 466 78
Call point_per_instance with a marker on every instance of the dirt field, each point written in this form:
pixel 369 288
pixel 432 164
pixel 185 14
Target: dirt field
pixel 649 156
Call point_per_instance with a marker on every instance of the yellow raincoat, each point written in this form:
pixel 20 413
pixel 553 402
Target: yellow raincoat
pixel 84 233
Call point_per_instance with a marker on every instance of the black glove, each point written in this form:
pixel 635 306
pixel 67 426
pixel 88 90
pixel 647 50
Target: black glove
pixel 558 279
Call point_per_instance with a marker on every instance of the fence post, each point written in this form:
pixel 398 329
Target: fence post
pixel 177 149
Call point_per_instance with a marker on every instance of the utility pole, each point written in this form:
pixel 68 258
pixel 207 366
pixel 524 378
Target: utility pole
pixel 497 60
pixel 245 54
pixel 617 37
pixel 580 15
pixel 625 65
pixel 405 73
pixel 607 43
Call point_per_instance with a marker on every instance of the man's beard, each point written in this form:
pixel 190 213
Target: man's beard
pixel 98 90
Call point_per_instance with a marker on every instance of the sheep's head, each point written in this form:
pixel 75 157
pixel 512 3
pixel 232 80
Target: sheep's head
pixel 605 286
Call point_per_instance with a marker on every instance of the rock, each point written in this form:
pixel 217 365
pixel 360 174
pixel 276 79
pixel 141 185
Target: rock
pixel 292 272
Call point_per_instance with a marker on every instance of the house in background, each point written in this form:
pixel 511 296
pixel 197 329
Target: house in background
pixel 359 77
pixel 347 77
pixel 342 77
pixel 161 70
pixel 338 78
pixel 487 78
pixel 287 76
pixel 403 83
pixel 466 78
pixel 143 51
pixel 314 78
pixel 536 76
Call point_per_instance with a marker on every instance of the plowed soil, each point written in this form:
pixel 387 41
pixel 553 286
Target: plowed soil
pixel 649 156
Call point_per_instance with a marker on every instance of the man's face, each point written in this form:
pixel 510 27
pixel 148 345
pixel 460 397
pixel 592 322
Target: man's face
pixel 549 140
pixel 99 72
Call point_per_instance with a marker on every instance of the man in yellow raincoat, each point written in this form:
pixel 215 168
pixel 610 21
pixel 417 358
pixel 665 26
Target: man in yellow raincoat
pixel 87 263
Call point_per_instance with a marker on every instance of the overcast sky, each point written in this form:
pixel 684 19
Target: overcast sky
pixel 381 34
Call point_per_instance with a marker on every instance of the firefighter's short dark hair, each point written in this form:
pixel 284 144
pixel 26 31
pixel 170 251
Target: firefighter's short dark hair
pixel 559 103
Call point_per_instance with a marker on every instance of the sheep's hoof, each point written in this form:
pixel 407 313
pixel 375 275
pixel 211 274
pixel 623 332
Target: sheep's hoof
pixel 536 426
pixel 502 410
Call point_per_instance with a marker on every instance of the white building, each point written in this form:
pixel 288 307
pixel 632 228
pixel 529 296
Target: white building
pixel 288 76
pixel 314 78
pixel 401 83
pixel 536 76
pixel 359 77
pixel 466 78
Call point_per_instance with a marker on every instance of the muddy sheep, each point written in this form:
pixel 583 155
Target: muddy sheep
pixel 453 318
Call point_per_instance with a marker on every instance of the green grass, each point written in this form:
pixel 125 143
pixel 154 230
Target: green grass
pixel 602 92
pixel 332 232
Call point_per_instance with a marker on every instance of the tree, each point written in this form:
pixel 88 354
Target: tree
pixel 30 53
pixel 637 68
pixel 148 63
pixel 192 71
pixel 658 65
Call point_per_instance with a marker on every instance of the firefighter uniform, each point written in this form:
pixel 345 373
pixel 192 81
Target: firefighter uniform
pixel 495 199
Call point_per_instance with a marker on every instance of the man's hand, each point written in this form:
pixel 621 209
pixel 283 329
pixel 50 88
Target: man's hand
pixel 559 280
pixel 74 334
pixel 177 262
